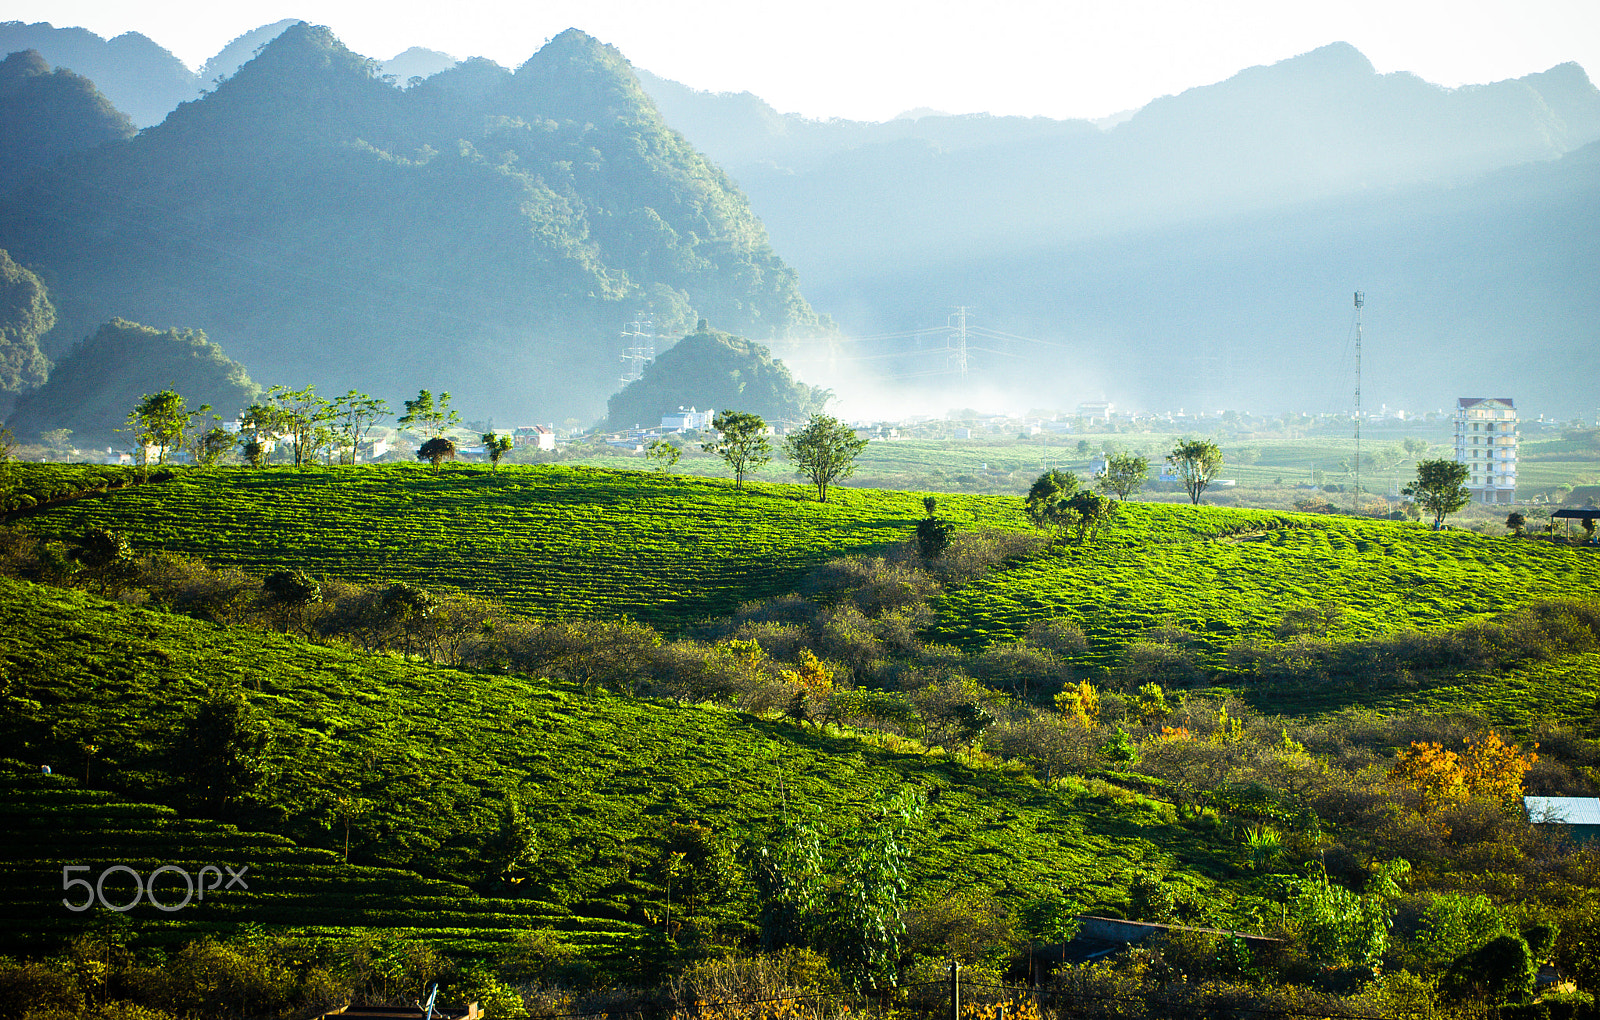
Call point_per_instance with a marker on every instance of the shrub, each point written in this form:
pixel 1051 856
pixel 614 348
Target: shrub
pixel 1058 635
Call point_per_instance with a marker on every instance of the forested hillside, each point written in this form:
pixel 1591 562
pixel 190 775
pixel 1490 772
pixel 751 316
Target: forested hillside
pixel 485 233
pixel 716 371
pixel 96 383
pixel 47 115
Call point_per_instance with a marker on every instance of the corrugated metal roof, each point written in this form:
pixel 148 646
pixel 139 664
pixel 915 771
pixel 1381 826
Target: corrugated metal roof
pixel 1563 810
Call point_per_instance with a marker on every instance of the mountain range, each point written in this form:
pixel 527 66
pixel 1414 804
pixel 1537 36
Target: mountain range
pixel 1197 252
pixel 1200 252
pixel 486 232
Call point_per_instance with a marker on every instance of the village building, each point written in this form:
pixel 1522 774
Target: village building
pixel 1578 817
pixel 1486 441
pixel 686 420
pixel 539 437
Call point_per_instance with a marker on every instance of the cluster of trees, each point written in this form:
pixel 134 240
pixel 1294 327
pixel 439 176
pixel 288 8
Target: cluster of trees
pixel 313 426
pixel 823 452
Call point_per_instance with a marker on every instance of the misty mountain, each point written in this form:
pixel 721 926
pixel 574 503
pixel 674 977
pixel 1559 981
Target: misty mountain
pixel 239 51
pixel 147 81
pixel 47 115
pixel 1318 125
pixel 141 78
pixel 100 380
pixel 1471 287
pixel 417 62
pixel 486 232
pixel 716 371
pixel 1148 243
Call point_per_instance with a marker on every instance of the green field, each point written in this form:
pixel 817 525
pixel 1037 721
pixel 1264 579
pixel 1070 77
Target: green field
pixel 1163 563
pixel 435 754
pixel 558 541
pixel 552 541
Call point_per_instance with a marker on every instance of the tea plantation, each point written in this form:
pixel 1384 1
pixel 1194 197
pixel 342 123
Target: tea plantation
pixel 53 824
pixel 426 758
pixel 1224 575
pixel 670 550
pixel 553 541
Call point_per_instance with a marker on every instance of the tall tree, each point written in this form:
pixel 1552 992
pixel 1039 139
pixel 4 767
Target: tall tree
pixel 824 451
pixel 160 420
pixel 428 416
pixel 1197 462
pixel 741 442
pixel 1438 488
pixel 1124 474
pixel 298 415
pixel 353 416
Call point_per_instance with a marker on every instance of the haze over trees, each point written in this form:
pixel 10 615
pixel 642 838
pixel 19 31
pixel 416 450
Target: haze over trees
pixel 94 385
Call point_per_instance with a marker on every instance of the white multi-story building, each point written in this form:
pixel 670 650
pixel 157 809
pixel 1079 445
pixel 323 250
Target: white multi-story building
pixel 1486 441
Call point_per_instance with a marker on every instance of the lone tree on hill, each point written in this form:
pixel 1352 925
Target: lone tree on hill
pixel 662 454
pixel 933 533
pixel 741 442
pixel 498 446
pixel 824 451
pixel 1197 462
pixel 1124 474
pixel 1047 490
pixel 428 417
pixel 1438 489
pixel 435 450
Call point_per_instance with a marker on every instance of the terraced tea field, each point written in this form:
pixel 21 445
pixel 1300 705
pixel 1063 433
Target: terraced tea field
pixel 1180 565
pixel 554 541
pixel 561 541
pixel 434 754
pixel 52 823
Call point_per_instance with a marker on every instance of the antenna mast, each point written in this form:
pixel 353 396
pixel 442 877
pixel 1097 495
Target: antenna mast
pixel 1360 300
pixel 961 340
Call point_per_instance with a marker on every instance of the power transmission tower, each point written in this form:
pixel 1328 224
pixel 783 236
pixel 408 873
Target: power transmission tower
pixel 640 337
pixel 959 352
pixel 1360 300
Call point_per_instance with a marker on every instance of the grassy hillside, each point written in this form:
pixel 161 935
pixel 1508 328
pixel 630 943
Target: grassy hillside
pixel 1180 565
pixel 559 541
pixel 51 821
pixel 422 761
pixel 554 541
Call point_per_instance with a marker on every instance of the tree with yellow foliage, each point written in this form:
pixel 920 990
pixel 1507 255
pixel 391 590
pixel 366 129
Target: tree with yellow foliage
pixel 813 686
pixel 1079 704
pixel 1486 767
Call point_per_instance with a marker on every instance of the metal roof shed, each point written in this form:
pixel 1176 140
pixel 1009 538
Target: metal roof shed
pixel 1580 815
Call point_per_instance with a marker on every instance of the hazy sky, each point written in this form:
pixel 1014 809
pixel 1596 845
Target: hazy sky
pixel 871 59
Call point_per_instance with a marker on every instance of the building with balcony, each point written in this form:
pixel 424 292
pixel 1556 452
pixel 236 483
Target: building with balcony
pixel 1486 441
